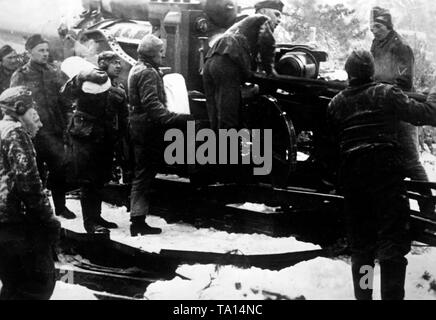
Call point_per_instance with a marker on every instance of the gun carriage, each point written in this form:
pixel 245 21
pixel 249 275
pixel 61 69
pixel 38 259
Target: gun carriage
pixel 292 104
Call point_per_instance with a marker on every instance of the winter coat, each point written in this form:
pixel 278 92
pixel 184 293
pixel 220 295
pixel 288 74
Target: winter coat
pixel 22 198
pixel 244 42
pixel 394 61
pixel 98 117
pixel 98 123
pixel 365 116
pixel 150 116
pixel 45 82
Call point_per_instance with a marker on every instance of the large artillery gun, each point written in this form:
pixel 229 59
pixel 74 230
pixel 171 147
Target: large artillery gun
pixel 293 103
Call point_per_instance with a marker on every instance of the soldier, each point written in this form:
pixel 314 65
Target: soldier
pixel 395 63
pixel 230 63
pixel 45 81
pixel 8 64
pixel 149 120
pixel 99 122
pixel 272 9
pixel 365 119
pixel 28 228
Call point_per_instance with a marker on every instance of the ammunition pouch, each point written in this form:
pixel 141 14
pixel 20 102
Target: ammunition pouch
pixel 81 125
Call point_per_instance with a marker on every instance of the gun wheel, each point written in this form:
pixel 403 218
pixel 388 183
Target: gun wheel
pixel 265 113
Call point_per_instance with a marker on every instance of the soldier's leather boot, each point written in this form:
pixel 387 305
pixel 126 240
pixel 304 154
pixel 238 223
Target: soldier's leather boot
pixel 90 216
pixel 140 228
pixel 60 209
pixel 98 219
pixel 393 277
pixel 363 277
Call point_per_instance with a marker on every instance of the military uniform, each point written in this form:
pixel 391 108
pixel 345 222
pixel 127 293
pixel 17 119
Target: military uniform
pixel 230 63
pixel 45 82
pixel 394 63
pixel 27 224
pixel 365 119
pixel 148 122
pixel 99 122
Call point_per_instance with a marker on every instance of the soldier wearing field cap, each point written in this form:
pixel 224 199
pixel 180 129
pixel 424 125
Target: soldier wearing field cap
pixel 45 81
pixel 273 9
pixel 28 228
pixel 395 63
pixel 231 62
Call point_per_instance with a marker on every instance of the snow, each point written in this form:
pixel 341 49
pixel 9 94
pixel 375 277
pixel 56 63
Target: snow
pixel 318 279
pixel 186 237
pixel 64 291
pixel 256 207
pixel 313 279
pixel 429 162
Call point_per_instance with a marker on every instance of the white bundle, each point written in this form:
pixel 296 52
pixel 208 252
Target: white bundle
pixel 74 65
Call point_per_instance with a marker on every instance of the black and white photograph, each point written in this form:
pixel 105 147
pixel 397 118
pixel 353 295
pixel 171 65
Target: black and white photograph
pixel 224 151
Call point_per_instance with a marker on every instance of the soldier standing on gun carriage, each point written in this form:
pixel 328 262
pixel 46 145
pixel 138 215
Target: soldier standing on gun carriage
pixel 45 81
pixel 233 58
pixel 28 228
pixel 148 122
pixel 365 119
pixel 395 63
pixel 98 124
pixel 272 9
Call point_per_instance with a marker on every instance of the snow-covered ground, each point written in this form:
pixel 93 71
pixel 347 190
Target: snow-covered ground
pixel 186 237
pixel 320 279
pixel 64 291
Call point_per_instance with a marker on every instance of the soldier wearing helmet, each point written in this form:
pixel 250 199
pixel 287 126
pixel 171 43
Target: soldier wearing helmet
pixel 365 119
pixel 28 228
pixel 98 124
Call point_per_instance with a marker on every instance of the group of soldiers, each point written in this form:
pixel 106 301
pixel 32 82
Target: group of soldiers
pixel 55 134
pixel 373 124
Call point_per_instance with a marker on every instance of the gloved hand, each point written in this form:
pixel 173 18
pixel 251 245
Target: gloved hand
pixel 94 75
